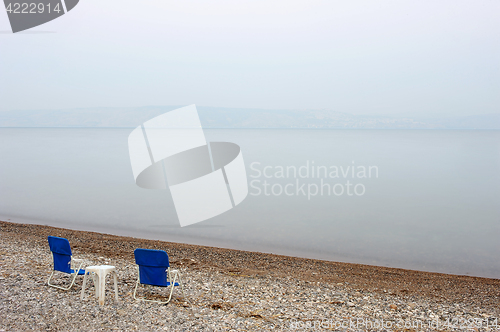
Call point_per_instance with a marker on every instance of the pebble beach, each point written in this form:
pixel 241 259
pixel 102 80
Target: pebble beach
pixel 231 290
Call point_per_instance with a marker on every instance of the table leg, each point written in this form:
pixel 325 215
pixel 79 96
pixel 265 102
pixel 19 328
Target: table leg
pixel 116 285
pixel 96 284
pixel 83 286
pixel 102 282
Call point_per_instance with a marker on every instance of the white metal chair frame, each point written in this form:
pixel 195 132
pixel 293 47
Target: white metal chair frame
pixel 169 278
pixel 74 274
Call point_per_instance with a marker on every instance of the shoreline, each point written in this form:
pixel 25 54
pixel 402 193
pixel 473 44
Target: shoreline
pixel 475 296
pixel 366 276
pixel 299 254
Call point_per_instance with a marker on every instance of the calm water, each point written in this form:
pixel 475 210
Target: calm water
pixel 434 205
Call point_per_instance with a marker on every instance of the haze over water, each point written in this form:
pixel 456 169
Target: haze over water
pixel 432 207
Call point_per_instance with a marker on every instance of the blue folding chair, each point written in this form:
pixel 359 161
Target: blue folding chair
pixel 153 269
pixel 61 251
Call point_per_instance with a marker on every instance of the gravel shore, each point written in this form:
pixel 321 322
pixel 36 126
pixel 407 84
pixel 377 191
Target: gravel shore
pixel 232 290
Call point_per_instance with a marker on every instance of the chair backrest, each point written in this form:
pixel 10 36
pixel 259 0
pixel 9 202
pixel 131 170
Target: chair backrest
pixel 61 251
pixel 153 265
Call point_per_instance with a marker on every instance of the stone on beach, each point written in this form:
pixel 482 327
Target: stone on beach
pixel 226 289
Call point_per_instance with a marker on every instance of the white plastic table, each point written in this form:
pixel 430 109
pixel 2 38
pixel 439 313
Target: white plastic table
pixel 99 273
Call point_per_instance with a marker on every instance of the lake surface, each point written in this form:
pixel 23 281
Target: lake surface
pixel 431 202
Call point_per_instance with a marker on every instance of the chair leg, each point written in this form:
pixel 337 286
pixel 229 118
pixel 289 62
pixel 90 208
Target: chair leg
pixel 135 289
pixel 48 281
pixel 74 274
pixel 172 283
pixel 171 292
pixel 60 287
pixel 182 286
pixel 178 273
pixel 144 299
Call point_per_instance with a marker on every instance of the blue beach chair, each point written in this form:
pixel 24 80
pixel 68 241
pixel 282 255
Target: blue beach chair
pixel 153 269
pixel 61 251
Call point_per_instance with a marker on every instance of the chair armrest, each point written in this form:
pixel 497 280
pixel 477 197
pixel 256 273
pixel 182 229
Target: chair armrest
pixel 76 264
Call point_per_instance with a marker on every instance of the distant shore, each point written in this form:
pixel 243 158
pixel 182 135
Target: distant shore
pixel 477 296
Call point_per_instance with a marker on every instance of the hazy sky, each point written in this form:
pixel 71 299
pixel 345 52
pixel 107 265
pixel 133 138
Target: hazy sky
pixel 363 57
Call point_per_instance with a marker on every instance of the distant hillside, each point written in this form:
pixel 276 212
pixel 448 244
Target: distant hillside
pixel 217 117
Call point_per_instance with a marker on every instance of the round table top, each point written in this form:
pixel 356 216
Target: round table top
pixel 100 267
